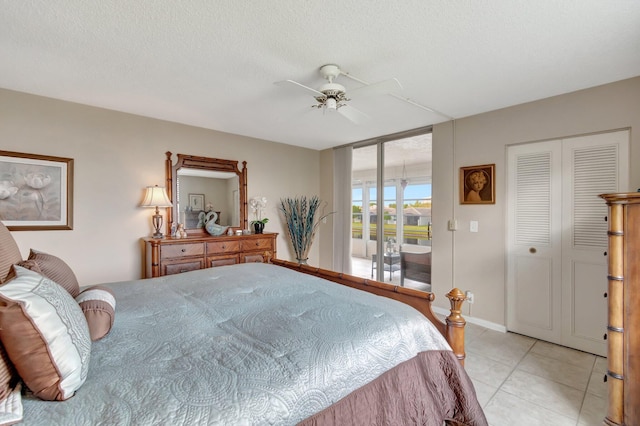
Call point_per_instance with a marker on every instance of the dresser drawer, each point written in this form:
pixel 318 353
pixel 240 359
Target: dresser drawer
pixel 252 258
pixel 181 250
pixel 232 259
pixel 257 244
pixel 180 267
pixel 223 247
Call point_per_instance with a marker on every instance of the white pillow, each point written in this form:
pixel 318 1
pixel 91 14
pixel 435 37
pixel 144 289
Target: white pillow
pixel 45 335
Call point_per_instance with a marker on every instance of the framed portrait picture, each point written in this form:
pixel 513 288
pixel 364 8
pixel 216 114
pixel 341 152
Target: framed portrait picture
pixel 36 192
pixel 477 184
pixel 196 202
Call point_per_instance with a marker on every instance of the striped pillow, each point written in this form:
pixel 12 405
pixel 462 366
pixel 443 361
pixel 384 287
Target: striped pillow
pixel 45 335
pixel 11 407
pixel 9 252
pixel 8 376
pixel 99 307
pixel 10 398
pixel 56 270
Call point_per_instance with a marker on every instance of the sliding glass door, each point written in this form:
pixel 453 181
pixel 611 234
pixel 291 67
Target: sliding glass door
pixel 391 204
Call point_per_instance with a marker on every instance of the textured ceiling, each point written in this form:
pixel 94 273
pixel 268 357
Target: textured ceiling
pixel 213 63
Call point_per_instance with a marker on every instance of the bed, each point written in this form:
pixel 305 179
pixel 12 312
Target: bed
pixel 262 344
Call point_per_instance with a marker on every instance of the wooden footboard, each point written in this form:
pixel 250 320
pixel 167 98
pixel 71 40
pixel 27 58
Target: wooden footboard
pixel 453 326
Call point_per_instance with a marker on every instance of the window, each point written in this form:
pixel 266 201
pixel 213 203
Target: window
pixel 356 215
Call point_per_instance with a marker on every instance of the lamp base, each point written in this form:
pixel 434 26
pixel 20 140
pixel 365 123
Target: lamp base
pixel 157 224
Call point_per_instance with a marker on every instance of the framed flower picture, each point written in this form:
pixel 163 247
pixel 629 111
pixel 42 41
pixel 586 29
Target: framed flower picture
pixel 196 202
pixel 36 191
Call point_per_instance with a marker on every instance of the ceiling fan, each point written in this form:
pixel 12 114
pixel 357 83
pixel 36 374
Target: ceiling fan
pixel 332 96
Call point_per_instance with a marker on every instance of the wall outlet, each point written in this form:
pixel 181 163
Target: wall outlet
pixel 470 297
pixel 473 226
pixel 453 225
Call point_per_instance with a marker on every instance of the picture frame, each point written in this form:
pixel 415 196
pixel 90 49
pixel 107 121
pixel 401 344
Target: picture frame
pixel 477 184
pixel 36 192
pixel 196 202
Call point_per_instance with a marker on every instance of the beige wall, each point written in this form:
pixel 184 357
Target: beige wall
pixel 117 155
pixel 476 261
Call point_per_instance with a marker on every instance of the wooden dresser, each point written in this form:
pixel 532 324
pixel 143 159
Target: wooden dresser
pixel 623 329
pixel 166 256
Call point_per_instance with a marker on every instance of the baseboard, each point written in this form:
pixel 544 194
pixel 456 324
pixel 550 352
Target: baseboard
pixel 477 321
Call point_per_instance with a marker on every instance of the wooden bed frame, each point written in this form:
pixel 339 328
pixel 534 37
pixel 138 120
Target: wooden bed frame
pixel 453 326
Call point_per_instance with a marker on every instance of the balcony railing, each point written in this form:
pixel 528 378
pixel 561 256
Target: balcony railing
pixel 410 232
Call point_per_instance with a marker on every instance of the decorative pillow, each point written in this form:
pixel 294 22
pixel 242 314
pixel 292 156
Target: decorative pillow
pixel 27 264
pixel 99 307
pixel 45 335
pixel 10 399
pixel 9 252
pixel 56 270
pixel 8 376
pixel 11 407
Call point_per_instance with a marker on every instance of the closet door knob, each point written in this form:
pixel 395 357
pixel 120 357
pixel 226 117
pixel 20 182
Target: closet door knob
pixel 532 250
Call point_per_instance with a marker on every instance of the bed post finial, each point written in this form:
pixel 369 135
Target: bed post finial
pixel 455 323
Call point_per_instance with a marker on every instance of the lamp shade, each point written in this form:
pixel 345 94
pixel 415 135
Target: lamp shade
pixel 156 196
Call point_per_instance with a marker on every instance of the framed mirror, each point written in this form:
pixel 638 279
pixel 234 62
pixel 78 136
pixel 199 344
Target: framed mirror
pixel 203 184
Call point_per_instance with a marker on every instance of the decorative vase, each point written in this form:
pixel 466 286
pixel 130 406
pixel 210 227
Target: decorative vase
pixel 300 216
pixel 258 227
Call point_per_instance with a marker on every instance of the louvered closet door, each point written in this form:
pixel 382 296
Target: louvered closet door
pixel 596 164
pixel 534 269
pixel 557 237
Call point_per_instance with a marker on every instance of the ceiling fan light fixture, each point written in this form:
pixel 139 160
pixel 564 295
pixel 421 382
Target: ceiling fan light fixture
pixel 331 104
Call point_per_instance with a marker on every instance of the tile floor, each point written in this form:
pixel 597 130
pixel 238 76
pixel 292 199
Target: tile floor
pixel 524 381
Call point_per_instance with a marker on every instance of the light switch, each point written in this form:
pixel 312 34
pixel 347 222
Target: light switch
pixel 473 226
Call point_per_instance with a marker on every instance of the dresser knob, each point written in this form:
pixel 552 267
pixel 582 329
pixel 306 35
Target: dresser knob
pixel 604 379
pixel 224 247
pixel 183 250
pixel 604 337
pixel 605 253
pixel 605 295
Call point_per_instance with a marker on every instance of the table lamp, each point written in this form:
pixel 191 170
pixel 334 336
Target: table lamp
pixel 156 196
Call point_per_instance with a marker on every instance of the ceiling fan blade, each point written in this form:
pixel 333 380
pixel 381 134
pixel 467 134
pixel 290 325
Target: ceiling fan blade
pixel 289 83
pixel 356 116
pixel 383 87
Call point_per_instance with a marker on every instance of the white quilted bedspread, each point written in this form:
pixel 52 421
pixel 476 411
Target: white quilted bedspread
pixel 250 344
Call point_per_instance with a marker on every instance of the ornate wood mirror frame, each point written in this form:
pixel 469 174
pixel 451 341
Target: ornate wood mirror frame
pixel 204 164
